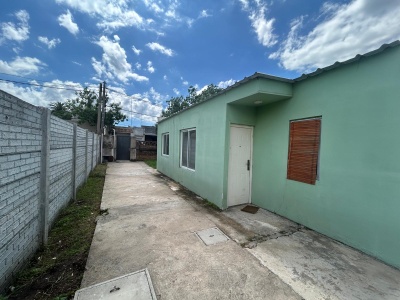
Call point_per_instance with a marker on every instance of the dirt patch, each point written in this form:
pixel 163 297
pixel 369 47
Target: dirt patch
pixel 58 282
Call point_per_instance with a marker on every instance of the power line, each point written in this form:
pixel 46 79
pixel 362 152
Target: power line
pixel 136 98
pixel 40 85
pixel 67 87
pixel 135 112
pixel 7 74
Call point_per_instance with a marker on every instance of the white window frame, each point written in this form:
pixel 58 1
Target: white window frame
pixel 187 149
pixel 163 137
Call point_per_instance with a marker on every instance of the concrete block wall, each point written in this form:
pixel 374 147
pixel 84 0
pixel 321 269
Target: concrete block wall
pixel 61 165
pixel 81 156
pixel 40 171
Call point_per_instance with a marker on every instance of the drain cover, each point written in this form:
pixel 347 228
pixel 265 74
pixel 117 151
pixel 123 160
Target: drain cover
pixel 212 236
pixel 135 285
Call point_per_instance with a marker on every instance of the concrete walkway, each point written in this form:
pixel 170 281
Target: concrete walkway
pixel 151 223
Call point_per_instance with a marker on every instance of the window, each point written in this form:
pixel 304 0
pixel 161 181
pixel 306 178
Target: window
pixel 303 154
pixel 188 148
pixel 165 144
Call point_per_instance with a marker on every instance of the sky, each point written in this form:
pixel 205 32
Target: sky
pixel 148 51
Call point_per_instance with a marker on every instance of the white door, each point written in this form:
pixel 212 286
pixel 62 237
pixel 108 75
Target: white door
pixel 239 169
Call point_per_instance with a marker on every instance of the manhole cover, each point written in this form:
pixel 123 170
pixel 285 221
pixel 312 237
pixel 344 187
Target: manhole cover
pixel 133 286
pixel 212 236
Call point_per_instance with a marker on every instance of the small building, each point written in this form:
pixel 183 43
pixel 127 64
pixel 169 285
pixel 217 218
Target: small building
pixel 322 149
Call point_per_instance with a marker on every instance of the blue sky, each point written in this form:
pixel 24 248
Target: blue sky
pixel 151 50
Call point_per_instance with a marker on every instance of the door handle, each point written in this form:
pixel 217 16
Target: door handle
pixel 248 165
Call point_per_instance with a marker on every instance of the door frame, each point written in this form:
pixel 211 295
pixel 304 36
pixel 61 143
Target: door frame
pixel 251 160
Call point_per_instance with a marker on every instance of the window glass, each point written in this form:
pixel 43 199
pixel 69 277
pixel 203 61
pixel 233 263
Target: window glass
pixel 165 144
pixel 188 148
pixel 185 141
pixel 192 149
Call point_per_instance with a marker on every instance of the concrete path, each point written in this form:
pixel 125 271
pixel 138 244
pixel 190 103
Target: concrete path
pixel 151 223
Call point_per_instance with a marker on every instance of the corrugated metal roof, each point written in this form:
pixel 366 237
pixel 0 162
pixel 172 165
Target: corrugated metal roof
pixel 257 75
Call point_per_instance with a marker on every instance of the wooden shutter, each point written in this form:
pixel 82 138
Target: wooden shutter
pixel 304 150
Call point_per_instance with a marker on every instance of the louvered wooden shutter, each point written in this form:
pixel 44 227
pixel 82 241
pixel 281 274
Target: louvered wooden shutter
pixel 304 150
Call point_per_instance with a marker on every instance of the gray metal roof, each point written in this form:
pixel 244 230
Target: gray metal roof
pixel 257 75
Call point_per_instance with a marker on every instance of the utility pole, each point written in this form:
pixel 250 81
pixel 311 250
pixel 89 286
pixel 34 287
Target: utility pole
pixel 99 104
pixel 103 116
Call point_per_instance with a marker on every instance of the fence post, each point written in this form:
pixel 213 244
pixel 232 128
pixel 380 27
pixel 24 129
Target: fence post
pixel 86 154
pixel 92 154
pixel 44 178
pixel 74 163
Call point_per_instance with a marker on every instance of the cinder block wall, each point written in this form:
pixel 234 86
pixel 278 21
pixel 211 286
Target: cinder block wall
pixel 43 160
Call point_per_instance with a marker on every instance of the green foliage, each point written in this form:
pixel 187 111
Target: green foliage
pixel 176 104
pixel 84 107
pixel 151 163
pixel 60 110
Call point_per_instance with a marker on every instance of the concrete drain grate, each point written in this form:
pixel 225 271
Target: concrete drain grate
pixel 133 286
pixel 212 236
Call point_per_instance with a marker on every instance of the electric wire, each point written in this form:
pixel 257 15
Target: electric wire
pixel 65 87
pixel 41 85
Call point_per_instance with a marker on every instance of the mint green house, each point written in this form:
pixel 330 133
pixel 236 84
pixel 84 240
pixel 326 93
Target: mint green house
pixel 322 150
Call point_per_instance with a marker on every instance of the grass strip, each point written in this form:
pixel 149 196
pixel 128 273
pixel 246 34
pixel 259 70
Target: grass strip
pixel 56 270
pixel 151 163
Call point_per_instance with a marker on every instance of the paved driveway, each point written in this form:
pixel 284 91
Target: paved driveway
pixel 151 223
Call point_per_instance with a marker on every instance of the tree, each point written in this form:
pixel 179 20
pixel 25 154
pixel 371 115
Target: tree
pixel 60 110
pixel 176 104
pixel 84 107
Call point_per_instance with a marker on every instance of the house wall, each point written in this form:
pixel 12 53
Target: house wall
pixel 207 179
pixel 212 120
pixel 356 199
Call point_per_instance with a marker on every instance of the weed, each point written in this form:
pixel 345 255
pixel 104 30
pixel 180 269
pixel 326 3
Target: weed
pixel 211 205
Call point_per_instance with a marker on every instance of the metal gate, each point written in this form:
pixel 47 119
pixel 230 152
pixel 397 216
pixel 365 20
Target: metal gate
pixel 123 147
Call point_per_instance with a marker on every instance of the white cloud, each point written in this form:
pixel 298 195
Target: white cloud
pixel 176 91
pixel 204 14
pixel 165 77
pixel 22 66
pixel 66 21
pixel 42 96
pixel 184 82
pixel 137 51
pixel 150 67
pixel 160 48
pixel 116 38
pixel 114 62
pixel 262 26
pixel 138 66
pixel 76 63
pixel 16 32
pixel 347 30
pixel 153 6
pixel 145 107
pixel 49 43
pixel 113 14
pixel 226 83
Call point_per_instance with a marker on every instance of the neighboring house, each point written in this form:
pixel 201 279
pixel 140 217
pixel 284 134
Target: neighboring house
pixel 135 143
pixel 322 149
pixel 145 133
